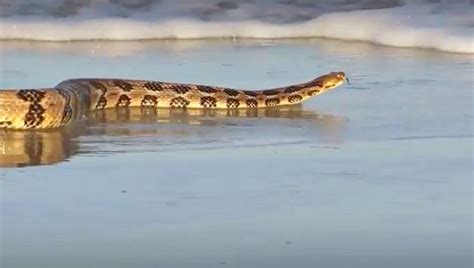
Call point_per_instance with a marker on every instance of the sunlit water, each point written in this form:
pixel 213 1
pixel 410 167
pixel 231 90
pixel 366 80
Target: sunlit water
pixel 377 173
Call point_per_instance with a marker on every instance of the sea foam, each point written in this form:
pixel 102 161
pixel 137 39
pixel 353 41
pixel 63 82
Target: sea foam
pixel 445 25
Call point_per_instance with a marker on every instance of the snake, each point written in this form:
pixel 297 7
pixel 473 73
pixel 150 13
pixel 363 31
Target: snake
pixel 125 129
pixel 73 99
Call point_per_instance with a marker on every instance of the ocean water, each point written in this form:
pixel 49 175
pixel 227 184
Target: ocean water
pixel 377 173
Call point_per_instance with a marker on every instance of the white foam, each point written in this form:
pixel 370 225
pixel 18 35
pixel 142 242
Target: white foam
pixel 442 26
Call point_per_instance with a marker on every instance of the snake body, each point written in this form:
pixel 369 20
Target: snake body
pixel 125 130
pixel 73 99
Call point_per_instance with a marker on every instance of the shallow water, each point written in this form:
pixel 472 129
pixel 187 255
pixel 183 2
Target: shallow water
pixel 377 173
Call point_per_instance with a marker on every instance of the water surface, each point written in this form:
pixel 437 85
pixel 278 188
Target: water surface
pixel 377 173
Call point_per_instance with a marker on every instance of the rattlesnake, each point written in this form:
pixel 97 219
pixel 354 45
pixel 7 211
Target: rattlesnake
pixel 127 129
pixel 73 99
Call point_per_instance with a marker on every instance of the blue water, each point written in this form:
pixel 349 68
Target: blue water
pixel 377 173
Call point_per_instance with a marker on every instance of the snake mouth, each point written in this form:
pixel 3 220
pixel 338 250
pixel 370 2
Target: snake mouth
pixel 342 78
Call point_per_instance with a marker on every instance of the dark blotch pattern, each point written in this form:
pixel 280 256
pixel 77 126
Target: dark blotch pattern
pixel 295 99
pixel 181 89
pixel 123 101
pixel 67 111
pixel 31 95
pixel 101 103
pixel 270 92
pixel 272 102
pixel 123 85
pixel 292 89
pixel 208 102
pixel 34 117
pixel 149 101
pixel 5 123
pixel 153 86
pixel 233 103
pixel 179 102
pixel 250 93
pixel 317 84
pixel 313 92
pixel 231 92
pixel 206 89
pixel 98 85
pixel 251 103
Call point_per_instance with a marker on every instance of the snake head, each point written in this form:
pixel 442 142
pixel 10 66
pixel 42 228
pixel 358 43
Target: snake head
pixel 332 80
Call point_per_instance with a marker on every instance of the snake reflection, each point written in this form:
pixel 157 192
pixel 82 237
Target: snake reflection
pixel 111 126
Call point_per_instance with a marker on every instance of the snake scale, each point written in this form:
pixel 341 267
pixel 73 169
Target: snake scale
pixel 73 99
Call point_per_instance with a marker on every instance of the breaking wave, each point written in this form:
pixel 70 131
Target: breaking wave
pixel 441 25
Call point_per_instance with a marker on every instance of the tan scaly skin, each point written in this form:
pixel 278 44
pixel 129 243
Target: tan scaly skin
pixel 72 100
pixel 52 146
